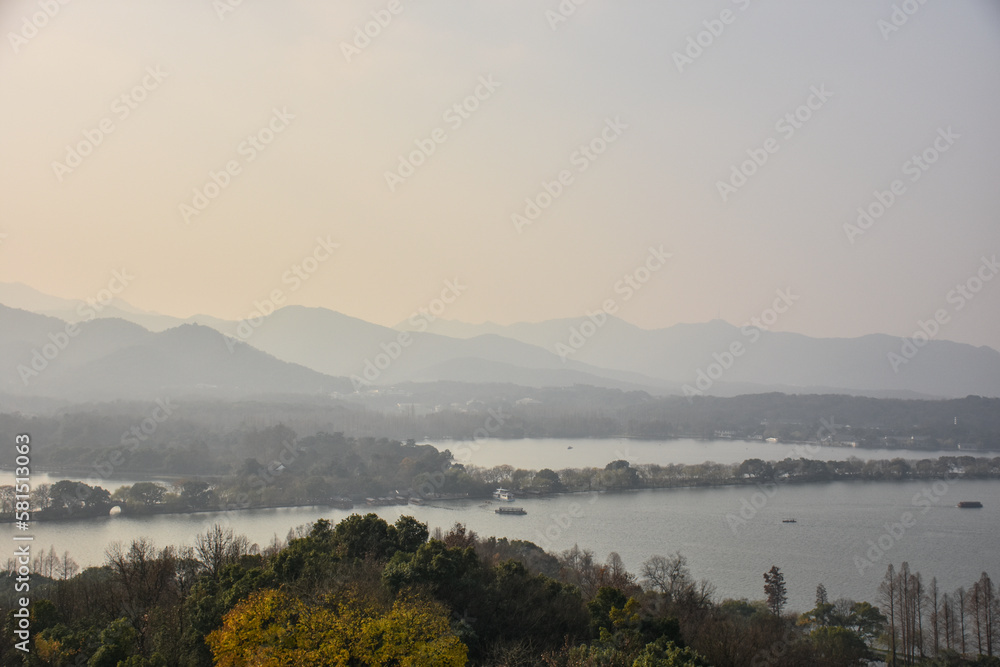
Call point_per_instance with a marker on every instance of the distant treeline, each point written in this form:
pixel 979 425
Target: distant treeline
pixel 621 475
pixel 201 431
pixel 317 469
pixel 332 469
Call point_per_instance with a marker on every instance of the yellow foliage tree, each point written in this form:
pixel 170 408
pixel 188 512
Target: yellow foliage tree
pixel 48 650
pixel 412 634
pixel 272 628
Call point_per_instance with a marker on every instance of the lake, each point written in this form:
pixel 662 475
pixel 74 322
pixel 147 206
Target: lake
pixel 834 522
pixel 559 453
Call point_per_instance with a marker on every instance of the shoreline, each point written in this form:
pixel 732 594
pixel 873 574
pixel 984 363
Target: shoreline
pixel 88 475
pixel 365 508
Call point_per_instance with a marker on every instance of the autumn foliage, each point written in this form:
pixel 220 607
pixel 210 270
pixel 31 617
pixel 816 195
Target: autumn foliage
pixel 273 628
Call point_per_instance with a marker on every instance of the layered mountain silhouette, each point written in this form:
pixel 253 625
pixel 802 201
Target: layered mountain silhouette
pixel 778 360
pixel 108 359
pixel 127 352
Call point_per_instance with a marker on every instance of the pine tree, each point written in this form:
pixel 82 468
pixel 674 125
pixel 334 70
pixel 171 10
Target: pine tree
pixel 774 588
pixel 821 597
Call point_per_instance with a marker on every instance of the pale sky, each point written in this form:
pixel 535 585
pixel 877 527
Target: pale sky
pixel 610 67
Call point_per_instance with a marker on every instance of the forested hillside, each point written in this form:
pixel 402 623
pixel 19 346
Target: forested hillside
pixel 365 592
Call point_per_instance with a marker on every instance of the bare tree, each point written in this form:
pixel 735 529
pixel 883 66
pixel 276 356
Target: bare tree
pixel 218 546
pixel 909 611
pixel 67 567
pixel 903 606
pixel 994 605
pixel 142 579
pixel 460 536
pixel 935 625
pixel 948 621
pixel 578 568
pixel 275 546
pixel 654 574
pixel 702 594
pixel 617 576
pixel 962 602
pixel 7 498
pixel 887 599
pixel 187 571
pixel 987 608
pixel 45 564
pixel 918 603
pixel 40 497
pixel 669 575
pixel 973 602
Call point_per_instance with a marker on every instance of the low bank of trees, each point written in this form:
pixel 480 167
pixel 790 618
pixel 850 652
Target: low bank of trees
pixel 366 592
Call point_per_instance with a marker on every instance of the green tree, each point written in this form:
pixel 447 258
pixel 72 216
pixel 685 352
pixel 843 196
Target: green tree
pixel 601 607
pixel 867 621
pixel 836 645
pixel 67 494
pixel 774 589
pixel 146 493
pixel 410 533
pixel 210 600
pixel 311 559
pixel 755 469
pixel 821 596
pixel 665 653
pixel 44 615
pixel 547 480
pixel 452 574
pixel 118 642
pixel 367 536
pixel 196 494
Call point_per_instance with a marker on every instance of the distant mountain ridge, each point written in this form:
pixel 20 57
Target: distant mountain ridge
pixel 349 353
pixel 685 353
pixel 107 359
pixel 337 344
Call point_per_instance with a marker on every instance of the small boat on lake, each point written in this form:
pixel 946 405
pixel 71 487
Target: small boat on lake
pixel 503 494
pixel 510 510
pixel 789 521
pixel 970 504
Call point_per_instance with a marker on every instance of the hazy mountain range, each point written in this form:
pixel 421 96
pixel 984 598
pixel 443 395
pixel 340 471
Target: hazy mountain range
pixel 125 352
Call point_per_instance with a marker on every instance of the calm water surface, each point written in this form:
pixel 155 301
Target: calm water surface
pixel 559 453
pixel 834 523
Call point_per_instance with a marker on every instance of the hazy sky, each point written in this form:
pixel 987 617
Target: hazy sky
pixel 198 81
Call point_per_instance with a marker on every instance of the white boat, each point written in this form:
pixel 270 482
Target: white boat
pixel 503 494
